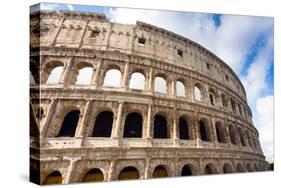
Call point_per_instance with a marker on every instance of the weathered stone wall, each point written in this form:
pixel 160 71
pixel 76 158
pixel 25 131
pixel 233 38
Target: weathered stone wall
pixel 76 40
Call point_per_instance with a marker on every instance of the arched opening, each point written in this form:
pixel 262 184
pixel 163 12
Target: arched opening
pixel 84 76
pixel 160 172
pixel 233 105
pixel 53 178
pixel 128 173
pixel 249 167
pixel 183 128
pixel 240 168
pixel 55 75
pixel 69 124
pixel 227 168
pixel 249 138
pixel 212 96
pixel 137 81
pixel 103 124
pixel 233 134
pixel 133 126
pixel 256 167
pixel 160 127
pixel 241 135
pixel 180 89
pixel 160 85
pixel 224 101
pixel 198 92
pixel 112 78
pixel 210 169
pixel 93 175
pixel 221 133
pixel 186 171
pixel 204 131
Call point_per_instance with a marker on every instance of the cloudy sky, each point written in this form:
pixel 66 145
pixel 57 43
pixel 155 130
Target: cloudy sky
pixel 245 43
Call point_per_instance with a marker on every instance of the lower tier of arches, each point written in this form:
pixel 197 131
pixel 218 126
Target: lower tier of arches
pixel 96 167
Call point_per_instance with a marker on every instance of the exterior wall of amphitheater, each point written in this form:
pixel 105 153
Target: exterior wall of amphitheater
pixel 76 40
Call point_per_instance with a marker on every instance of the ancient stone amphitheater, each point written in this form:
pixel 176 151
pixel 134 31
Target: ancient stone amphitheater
pixel 177 109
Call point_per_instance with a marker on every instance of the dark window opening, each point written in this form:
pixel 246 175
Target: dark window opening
pixel 227 169
pixel 212 99
pixel 40 113
pixel 208 66
pixel 53 178
pixel 232 134
pixel 94 175
pixel 94 33
pixel 141 41
pixel 241 134
pixel 210 169
pixel 183 127
pixel 186 171
pixel 221 137
pixel 180 53
pixel 69 124
pixel 128 173
pixel 226 77
pixel 203 131
pixel 133 126
pixel 159 172
pixel 103 124
pixel 160 127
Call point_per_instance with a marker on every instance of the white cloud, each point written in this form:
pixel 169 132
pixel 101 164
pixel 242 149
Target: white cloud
pixel 70 7
pixel 264 123
pixel 49 6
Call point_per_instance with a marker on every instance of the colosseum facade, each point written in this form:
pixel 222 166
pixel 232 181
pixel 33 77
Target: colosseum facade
pixel 91 131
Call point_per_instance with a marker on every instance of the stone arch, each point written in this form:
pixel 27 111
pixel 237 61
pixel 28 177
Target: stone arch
pixel 180 88
pixel 160 126
pixel 160 171
pixel 242 138
pixel 240 167
pixel 187 170
pixel 233 135
pixel 249 167
pixel 54 177
pixel 233 105
pixel 249 138
pixel 69 124
pixel 227 168
pixel 221 132
pixel 81 73
pixel 204 130
pixel 93 175
pixel 224 100
pixel 137 80
pixel 184 128
pixel 133 125
pixel 129 173
pixel 52 72
pixel 161 84
pixel 198 92
pixel 112 76
pixel 256 167
pixel 213 97
pixel 210 168
pixel 103 124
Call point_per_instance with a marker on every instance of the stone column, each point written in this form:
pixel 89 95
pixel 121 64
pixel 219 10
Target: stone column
pixel 197 136
pixel 81 126
pixel 150 80
pixel 95 77
pixel 111 171
pixel 175 129
pixel 173 92
pixel 148 125
pixel 125 76
pixel 147 168
pixel 213 128
pixel 116 131
pixel 206 95
pixel 71 170
pixel 50 114
pixel 66 73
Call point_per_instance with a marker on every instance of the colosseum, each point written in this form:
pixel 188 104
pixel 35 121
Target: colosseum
pixel 82 128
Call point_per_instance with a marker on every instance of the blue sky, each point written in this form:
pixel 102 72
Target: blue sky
pixel 245 43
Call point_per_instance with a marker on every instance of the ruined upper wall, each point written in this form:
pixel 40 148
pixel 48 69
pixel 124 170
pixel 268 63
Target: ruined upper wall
pixel 94 31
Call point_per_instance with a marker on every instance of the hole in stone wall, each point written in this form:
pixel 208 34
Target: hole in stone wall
pixel 69 124
pixel 103 124
pixel 160 127
pixel 133 126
